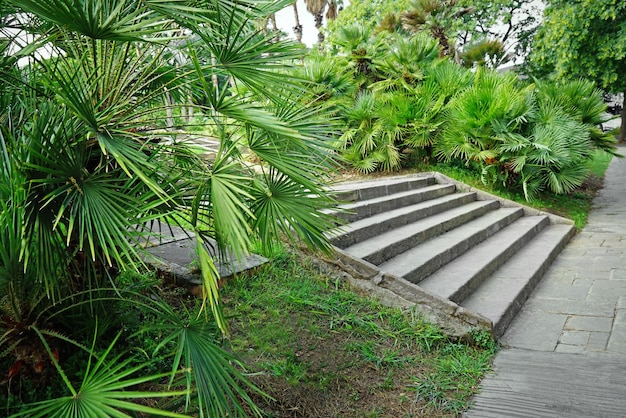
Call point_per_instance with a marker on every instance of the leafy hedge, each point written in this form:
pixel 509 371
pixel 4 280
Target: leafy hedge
pixel 397 98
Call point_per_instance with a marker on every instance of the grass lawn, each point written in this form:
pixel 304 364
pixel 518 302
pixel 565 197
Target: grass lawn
pixel 320 349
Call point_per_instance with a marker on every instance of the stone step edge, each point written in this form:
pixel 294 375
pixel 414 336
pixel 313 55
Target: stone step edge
pixel 352 191
pixel 364 209
pixel 503 320
pixel 454 320
pixel 346 235
pixel 482 195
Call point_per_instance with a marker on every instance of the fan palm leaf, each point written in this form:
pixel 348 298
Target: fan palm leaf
pixel 104 391
pixel 126 20
pixel 95 159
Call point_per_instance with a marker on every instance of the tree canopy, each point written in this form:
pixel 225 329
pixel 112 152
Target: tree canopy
pixel 501 29
pixel 510 22
pixel 584 39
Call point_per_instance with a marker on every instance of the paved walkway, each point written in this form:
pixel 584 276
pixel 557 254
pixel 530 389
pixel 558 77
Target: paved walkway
pixel 580 305
pixel 570 337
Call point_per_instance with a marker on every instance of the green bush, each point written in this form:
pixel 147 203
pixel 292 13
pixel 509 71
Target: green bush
pixel 528 136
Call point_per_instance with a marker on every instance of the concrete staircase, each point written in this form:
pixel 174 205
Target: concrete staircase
pixel 434 241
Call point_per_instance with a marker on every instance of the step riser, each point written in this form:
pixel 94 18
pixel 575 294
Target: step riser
pixel 355 236
pixel 473 282
pixel 375 208
pixel 458 249
pixel 372 192
pixel 391 251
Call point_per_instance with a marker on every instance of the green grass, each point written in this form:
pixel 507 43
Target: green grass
pixel 600 163
pixel 319 347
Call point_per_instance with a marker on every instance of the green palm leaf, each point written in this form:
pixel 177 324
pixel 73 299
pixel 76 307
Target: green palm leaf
pixel 104 392
pixel 124 20
pixel 282 205
pixel 216 374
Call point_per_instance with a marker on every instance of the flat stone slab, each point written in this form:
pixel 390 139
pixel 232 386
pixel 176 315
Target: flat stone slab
pixel 177 255
pixel 547 384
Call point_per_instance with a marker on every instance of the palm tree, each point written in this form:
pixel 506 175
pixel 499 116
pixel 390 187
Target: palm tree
pixel 482 116
pixel 536 137
pixel 87 164
pixel 297 28
pixel 316 8
pixel 485 52
pixel 561 137
pixel 436 17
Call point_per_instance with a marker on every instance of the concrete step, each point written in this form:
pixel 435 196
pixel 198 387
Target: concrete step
pixel 420 261
pixel 458 279
pixel 365 208
pixel 460 258
pixel 364 190
pixel 378 249
pixel 373 226
pixel 503 294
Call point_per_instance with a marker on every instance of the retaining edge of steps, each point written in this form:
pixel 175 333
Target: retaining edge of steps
pixel 453 319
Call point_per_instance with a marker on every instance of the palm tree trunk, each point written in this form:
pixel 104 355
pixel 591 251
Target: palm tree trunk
pixel 316 8
pixel 319 19
pixel 439 33
pixel 331 13
pixel 273 21
pixel 297 29
pixel 190 111
pixel 169 104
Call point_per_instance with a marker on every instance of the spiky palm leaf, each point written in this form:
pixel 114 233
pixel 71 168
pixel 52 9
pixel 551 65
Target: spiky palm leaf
pixel 409 57
pixel 96 160
pixel 106 390
pixel 449 78
pixel 583 101
pixel 482 116
pixel 328 78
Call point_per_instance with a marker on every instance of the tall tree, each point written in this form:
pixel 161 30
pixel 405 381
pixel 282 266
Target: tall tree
pixel 509 22
pixel 297 27
pixel 316 8
pixel 585 39
pixel 436 17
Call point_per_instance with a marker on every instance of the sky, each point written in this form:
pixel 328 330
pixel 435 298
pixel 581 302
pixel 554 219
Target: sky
pixel 285 21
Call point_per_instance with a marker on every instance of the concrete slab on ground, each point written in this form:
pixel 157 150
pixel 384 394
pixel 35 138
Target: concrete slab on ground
pixel 174 251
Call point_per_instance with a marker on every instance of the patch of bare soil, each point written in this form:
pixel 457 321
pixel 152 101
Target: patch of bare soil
pixel 338 383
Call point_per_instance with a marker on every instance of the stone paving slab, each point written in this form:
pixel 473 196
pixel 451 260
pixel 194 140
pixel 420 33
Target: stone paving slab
pixel 585 288
pixel 547 384
pixel 173 250
pixel 179 258
pixel 566 350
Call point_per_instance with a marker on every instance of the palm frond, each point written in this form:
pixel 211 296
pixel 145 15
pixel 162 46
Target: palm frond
pixel 215 373
pixel 282 205
pixel 125 20
pixel 104 390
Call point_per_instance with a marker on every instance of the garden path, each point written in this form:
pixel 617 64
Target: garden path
pixel 565 351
